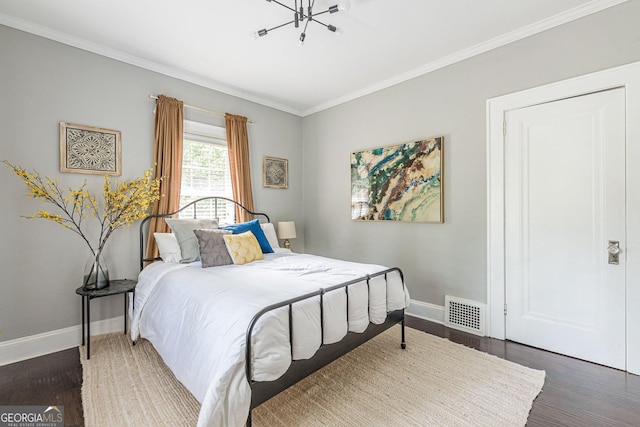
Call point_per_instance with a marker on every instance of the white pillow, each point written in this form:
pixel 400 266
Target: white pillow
pixel 168 247
pixel 270 233
pixel 187 240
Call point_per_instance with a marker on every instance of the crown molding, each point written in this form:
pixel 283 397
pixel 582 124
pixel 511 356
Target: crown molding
pixel 80 43
pixel 521 33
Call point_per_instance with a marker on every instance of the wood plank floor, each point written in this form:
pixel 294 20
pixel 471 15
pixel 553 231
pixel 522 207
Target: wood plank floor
pixel 54 379
pixel 575 393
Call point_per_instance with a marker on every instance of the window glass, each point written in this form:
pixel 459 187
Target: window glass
pixel 205 171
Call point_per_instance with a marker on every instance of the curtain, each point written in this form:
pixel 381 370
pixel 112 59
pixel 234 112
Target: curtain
pixel 238 147
pixel 167 155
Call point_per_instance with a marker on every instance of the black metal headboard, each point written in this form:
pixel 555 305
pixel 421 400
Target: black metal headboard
pixel 216 205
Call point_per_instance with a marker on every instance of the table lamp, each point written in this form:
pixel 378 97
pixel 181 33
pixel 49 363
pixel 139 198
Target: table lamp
pixel 286 231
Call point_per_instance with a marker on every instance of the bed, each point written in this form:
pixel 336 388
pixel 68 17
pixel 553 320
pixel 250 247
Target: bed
pixel 237 335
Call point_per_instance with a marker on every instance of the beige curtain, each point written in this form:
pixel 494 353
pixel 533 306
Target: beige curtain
pixel 238 146
pixel 167 155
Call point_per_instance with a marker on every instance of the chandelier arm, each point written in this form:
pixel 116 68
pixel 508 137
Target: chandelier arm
pixel 306 24
pixel 312 4
pixel 285 6
pixel 321 23
pixel 320 13
pixel 299 15
pixel 280 26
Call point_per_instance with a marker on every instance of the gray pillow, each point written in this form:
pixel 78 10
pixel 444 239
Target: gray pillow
pixel 183 229
pixel 213 251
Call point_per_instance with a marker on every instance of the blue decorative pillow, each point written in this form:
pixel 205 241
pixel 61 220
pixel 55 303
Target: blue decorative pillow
pixel 254 227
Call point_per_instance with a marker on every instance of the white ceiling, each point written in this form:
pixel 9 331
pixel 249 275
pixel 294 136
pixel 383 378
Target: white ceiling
pixel 207 41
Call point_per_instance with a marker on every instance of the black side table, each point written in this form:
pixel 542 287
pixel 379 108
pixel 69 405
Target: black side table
pixel 115 287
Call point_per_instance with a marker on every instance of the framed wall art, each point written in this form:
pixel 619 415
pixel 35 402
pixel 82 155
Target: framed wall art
pixel 275 172
pixel 398 183
pixel 86 149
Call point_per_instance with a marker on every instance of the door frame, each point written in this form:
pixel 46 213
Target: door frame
pixel 627 77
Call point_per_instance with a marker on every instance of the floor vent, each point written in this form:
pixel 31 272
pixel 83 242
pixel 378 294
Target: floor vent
pixel 465 315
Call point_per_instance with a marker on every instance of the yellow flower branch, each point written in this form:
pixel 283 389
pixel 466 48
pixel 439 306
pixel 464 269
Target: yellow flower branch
pixel 124 202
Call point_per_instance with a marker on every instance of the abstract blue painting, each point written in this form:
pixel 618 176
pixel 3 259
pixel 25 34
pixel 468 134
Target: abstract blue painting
pixel 398 183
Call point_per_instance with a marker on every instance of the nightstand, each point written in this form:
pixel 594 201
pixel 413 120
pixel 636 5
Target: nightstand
pixel 115 287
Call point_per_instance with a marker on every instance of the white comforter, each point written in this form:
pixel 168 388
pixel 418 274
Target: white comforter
pixel 197 318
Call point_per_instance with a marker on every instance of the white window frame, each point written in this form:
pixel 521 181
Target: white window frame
pixel 206 133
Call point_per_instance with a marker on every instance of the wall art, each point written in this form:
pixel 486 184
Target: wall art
pixel 399 182
pixel 275 172
pixel 86 149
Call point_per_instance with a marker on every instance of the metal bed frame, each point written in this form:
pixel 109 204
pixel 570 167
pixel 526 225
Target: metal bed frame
pixel 261 391
pixel 216 204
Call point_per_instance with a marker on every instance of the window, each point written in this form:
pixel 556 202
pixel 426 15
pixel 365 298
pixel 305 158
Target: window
pixel 205 171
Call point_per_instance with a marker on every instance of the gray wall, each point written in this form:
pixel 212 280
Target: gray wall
pixel 448 258
pixel 43 83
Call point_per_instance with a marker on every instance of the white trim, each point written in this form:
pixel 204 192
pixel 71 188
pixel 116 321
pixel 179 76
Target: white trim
pixel 627 76
pixel 538 27
pixel 519 34
pixel 127 58
pixel 424 310
pixel 49 342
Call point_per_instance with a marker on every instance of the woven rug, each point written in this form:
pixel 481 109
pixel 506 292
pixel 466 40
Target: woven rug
pixel 434 382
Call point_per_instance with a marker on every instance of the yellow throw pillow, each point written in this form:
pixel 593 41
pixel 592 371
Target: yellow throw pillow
pixel 243 248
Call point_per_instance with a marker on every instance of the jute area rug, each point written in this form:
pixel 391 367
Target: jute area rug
pixel 434 382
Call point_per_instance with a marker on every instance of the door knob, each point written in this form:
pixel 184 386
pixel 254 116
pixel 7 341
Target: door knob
pixel 614 252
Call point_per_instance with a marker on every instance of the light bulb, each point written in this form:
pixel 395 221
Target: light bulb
pixel 335 30
pixel 254 35
pixel 344 5
pixel 302 37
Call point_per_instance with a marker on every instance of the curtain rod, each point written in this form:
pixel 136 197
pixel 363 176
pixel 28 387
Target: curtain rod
pixel 199 109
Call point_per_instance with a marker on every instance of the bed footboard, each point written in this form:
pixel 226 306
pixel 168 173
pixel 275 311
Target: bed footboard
pixel 262 391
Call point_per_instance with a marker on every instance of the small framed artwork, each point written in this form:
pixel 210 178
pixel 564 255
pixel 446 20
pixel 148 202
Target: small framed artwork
pixel 401 182
pixel 275 172
pixel 86 149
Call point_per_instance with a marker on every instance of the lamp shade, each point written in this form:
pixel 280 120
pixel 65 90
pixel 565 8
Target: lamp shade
pixel 287 230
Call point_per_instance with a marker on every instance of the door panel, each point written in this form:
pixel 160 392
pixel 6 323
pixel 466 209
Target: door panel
pixel 564 200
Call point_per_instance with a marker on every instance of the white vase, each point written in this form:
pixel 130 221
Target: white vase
pixel 96 272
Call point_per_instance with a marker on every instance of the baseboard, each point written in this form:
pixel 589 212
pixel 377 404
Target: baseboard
pixel 424 310
pixel 49 342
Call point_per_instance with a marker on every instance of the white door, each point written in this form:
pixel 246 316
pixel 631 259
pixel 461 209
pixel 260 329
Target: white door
pixel 564 202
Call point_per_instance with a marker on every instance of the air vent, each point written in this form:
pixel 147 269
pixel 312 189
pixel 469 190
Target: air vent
pixel 464 315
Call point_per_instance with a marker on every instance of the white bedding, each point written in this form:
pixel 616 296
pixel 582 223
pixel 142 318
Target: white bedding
pixel 197 320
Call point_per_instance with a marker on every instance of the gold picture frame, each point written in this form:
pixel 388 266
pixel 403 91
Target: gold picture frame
pixel 401 182
pixel 90 150
pixel 275 172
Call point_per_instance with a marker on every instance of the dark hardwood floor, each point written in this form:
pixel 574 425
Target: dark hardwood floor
pixel 51 380
pixel 575 393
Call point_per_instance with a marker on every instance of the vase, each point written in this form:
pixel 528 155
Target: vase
pixel 96 272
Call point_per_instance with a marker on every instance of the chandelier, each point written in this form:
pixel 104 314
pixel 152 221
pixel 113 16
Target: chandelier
pixel 301 17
